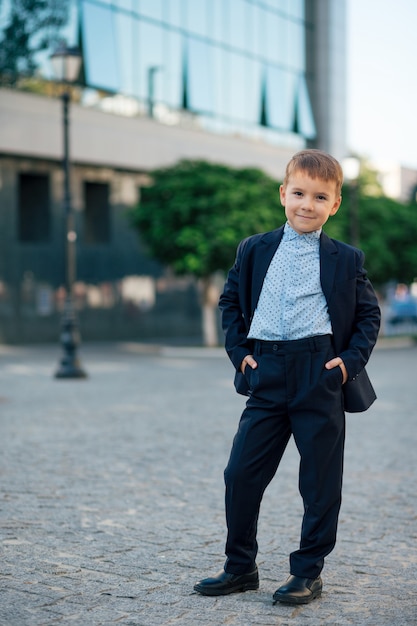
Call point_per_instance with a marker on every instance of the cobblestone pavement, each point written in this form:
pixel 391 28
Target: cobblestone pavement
pixel 111 495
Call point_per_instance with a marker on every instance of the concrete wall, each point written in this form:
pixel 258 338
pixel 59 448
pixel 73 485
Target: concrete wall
pixel 31 126
pixel 104 147
pixel 120 292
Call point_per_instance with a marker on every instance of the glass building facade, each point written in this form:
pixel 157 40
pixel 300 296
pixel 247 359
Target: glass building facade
pixel 238 65
pixel 270 69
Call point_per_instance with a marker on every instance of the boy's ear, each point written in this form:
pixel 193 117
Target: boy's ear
pixel 282 194
pixel 336 205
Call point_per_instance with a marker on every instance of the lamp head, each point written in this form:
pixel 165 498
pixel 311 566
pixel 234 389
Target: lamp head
pixel 66 63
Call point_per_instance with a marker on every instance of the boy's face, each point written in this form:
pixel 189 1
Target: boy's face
pixel 308 202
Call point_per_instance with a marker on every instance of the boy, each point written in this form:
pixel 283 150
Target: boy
pixel 300 320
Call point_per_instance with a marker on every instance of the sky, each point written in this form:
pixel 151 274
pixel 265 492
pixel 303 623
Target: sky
pixel 382 80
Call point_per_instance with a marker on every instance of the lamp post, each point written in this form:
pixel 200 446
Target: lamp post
pixel 351 168
pixel 66 63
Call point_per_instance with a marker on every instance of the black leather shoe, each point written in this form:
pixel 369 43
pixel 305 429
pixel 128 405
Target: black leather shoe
pixel 223 583
pixel 298 590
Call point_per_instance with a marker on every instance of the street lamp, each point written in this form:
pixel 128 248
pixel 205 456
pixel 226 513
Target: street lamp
pixel 66 63
pixel 351 169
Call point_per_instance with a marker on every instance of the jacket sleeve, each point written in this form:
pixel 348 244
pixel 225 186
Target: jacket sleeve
pixel 363 332
pixel 234 321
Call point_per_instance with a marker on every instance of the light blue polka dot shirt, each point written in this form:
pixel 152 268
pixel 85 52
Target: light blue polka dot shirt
pixel 292 304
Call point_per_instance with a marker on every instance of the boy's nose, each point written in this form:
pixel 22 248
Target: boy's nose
pixel 307 204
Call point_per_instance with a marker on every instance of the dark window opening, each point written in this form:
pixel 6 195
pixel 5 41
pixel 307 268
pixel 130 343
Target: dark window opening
pixel 184 95
pixel 97 213
pixel 34 208
pixel 263 118
pixel 296 119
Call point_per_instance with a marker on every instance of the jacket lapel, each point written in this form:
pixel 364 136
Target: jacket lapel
pixel 328 260
pixel 264 255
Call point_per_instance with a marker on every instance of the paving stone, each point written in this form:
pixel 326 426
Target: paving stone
pixel 111 495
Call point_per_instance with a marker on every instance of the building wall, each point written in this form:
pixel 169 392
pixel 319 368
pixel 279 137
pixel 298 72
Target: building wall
pixel 397 181
pixel 326 72
pixel 31 126
pixel 408 185
pixel 120 292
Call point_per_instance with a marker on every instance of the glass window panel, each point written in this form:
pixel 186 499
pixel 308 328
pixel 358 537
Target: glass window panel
pixel 150 55
pixel 217 9
pixel 270 3
pixel 174 12
pixel 200 76
pixel 125 4
pixel 245 89
pixel 295 52
pixel 151 8
pixel 273 34
pixel 260 29
pixel 101 66
pixel 236 86
pixel 196 13
pixel 172 72
pixel 277 5
pixel 283 42
pixel 280 5
pixel 220 75
pixel 238 23
pixel 281 91
pixel 135 78
pixel 125 39
pixel 305 114
pixel 252 17
pixel 237 92
pixel 296 8
pixel 253 90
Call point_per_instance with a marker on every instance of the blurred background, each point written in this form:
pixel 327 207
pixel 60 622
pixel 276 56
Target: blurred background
pixel 119 119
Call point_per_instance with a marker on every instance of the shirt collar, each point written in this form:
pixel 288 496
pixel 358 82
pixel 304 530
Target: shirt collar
pixel 290 234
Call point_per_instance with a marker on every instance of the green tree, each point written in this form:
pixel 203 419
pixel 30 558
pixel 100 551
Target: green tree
pixel 32 26
pixel 195 213
pixel 387 232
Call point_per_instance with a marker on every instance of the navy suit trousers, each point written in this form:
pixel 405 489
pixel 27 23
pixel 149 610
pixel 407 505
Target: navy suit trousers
pixel 291 394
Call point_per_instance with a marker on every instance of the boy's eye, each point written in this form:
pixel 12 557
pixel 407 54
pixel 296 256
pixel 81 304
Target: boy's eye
pixel 321 198
pixel 298 193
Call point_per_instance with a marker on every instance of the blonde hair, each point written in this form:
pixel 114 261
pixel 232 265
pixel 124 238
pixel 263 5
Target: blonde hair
pixel 317 164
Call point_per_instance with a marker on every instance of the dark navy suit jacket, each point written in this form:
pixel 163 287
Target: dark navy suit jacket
pixel 352 305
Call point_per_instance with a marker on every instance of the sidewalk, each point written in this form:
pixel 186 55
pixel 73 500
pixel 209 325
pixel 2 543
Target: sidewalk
pixel 111 495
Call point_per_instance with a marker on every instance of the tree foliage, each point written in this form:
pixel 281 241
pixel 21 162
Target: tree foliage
pixel 387 234
pixel 195 213
pixel 32 26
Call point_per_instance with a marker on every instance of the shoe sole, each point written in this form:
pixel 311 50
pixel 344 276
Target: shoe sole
pixel 294 600
pixel 226 592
